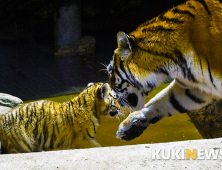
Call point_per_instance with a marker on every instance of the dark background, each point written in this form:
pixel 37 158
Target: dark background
pixel 34 19
pixel 28 67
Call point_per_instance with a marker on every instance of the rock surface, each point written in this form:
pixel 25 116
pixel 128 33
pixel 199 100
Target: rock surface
pixel 84 46
pixel 68 26
pixel 123 157
pixel 7 102
pixel 208 120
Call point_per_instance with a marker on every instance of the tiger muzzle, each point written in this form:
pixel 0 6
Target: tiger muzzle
pixel 114 111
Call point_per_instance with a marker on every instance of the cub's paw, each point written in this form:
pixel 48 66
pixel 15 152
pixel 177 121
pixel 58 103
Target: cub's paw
pixel 132 127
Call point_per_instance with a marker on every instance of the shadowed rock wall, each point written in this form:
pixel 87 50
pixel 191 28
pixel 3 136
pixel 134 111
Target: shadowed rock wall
pixel 208 120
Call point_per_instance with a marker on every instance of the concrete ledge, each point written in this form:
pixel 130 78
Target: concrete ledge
pixel 124 157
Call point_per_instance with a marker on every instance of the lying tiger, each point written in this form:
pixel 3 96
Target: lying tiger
pixel 185 43
pixel 46 125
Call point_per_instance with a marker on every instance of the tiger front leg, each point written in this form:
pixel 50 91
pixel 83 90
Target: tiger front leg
pixel 133 126
pixel 172 100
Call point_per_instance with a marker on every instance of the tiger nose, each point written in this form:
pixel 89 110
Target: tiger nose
pixel 112 85
pixel 115 96
pixel 113 113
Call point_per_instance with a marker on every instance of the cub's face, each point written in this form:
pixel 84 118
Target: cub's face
pixel 107 100
pixel 109 103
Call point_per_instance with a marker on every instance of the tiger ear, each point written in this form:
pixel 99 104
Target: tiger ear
pixel 102 91
pixel 90 84
pixel 125 45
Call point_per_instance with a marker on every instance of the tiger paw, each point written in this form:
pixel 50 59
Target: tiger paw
pixel 132 127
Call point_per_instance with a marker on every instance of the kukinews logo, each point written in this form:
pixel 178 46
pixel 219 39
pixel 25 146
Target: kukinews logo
pixel 187 154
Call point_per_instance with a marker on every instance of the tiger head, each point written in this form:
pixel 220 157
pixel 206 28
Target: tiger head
pixel 106 99
pixel 130 75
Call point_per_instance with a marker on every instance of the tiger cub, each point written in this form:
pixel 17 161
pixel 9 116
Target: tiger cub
pixel 46 125
pixel 184 43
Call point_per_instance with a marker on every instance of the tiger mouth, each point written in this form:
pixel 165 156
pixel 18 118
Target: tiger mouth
pixel 113 113
pixel 132 99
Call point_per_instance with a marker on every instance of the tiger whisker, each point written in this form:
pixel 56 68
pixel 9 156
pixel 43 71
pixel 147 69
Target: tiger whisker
pixel 121 116
pixel 104 65
pixel 123 101
pixel 118 90
pixel 103 70
pixel 126 104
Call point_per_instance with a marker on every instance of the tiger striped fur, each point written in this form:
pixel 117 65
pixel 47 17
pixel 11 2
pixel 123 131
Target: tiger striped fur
pixel 185 43
pixel 46 125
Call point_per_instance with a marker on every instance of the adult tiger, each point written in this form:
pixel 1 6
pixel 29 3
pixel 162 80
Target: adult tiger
pixel 46 125
pixel 184 43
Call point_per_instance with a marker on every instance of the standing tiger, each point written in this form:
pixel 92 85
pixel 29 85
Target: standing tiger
pixel 47 125
pixel 185 43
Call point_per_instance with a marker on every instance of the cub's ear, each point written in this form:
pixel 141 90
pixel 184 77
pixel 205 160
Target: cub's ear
pixel 125 45
pixel 90 84
pixel 102 91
